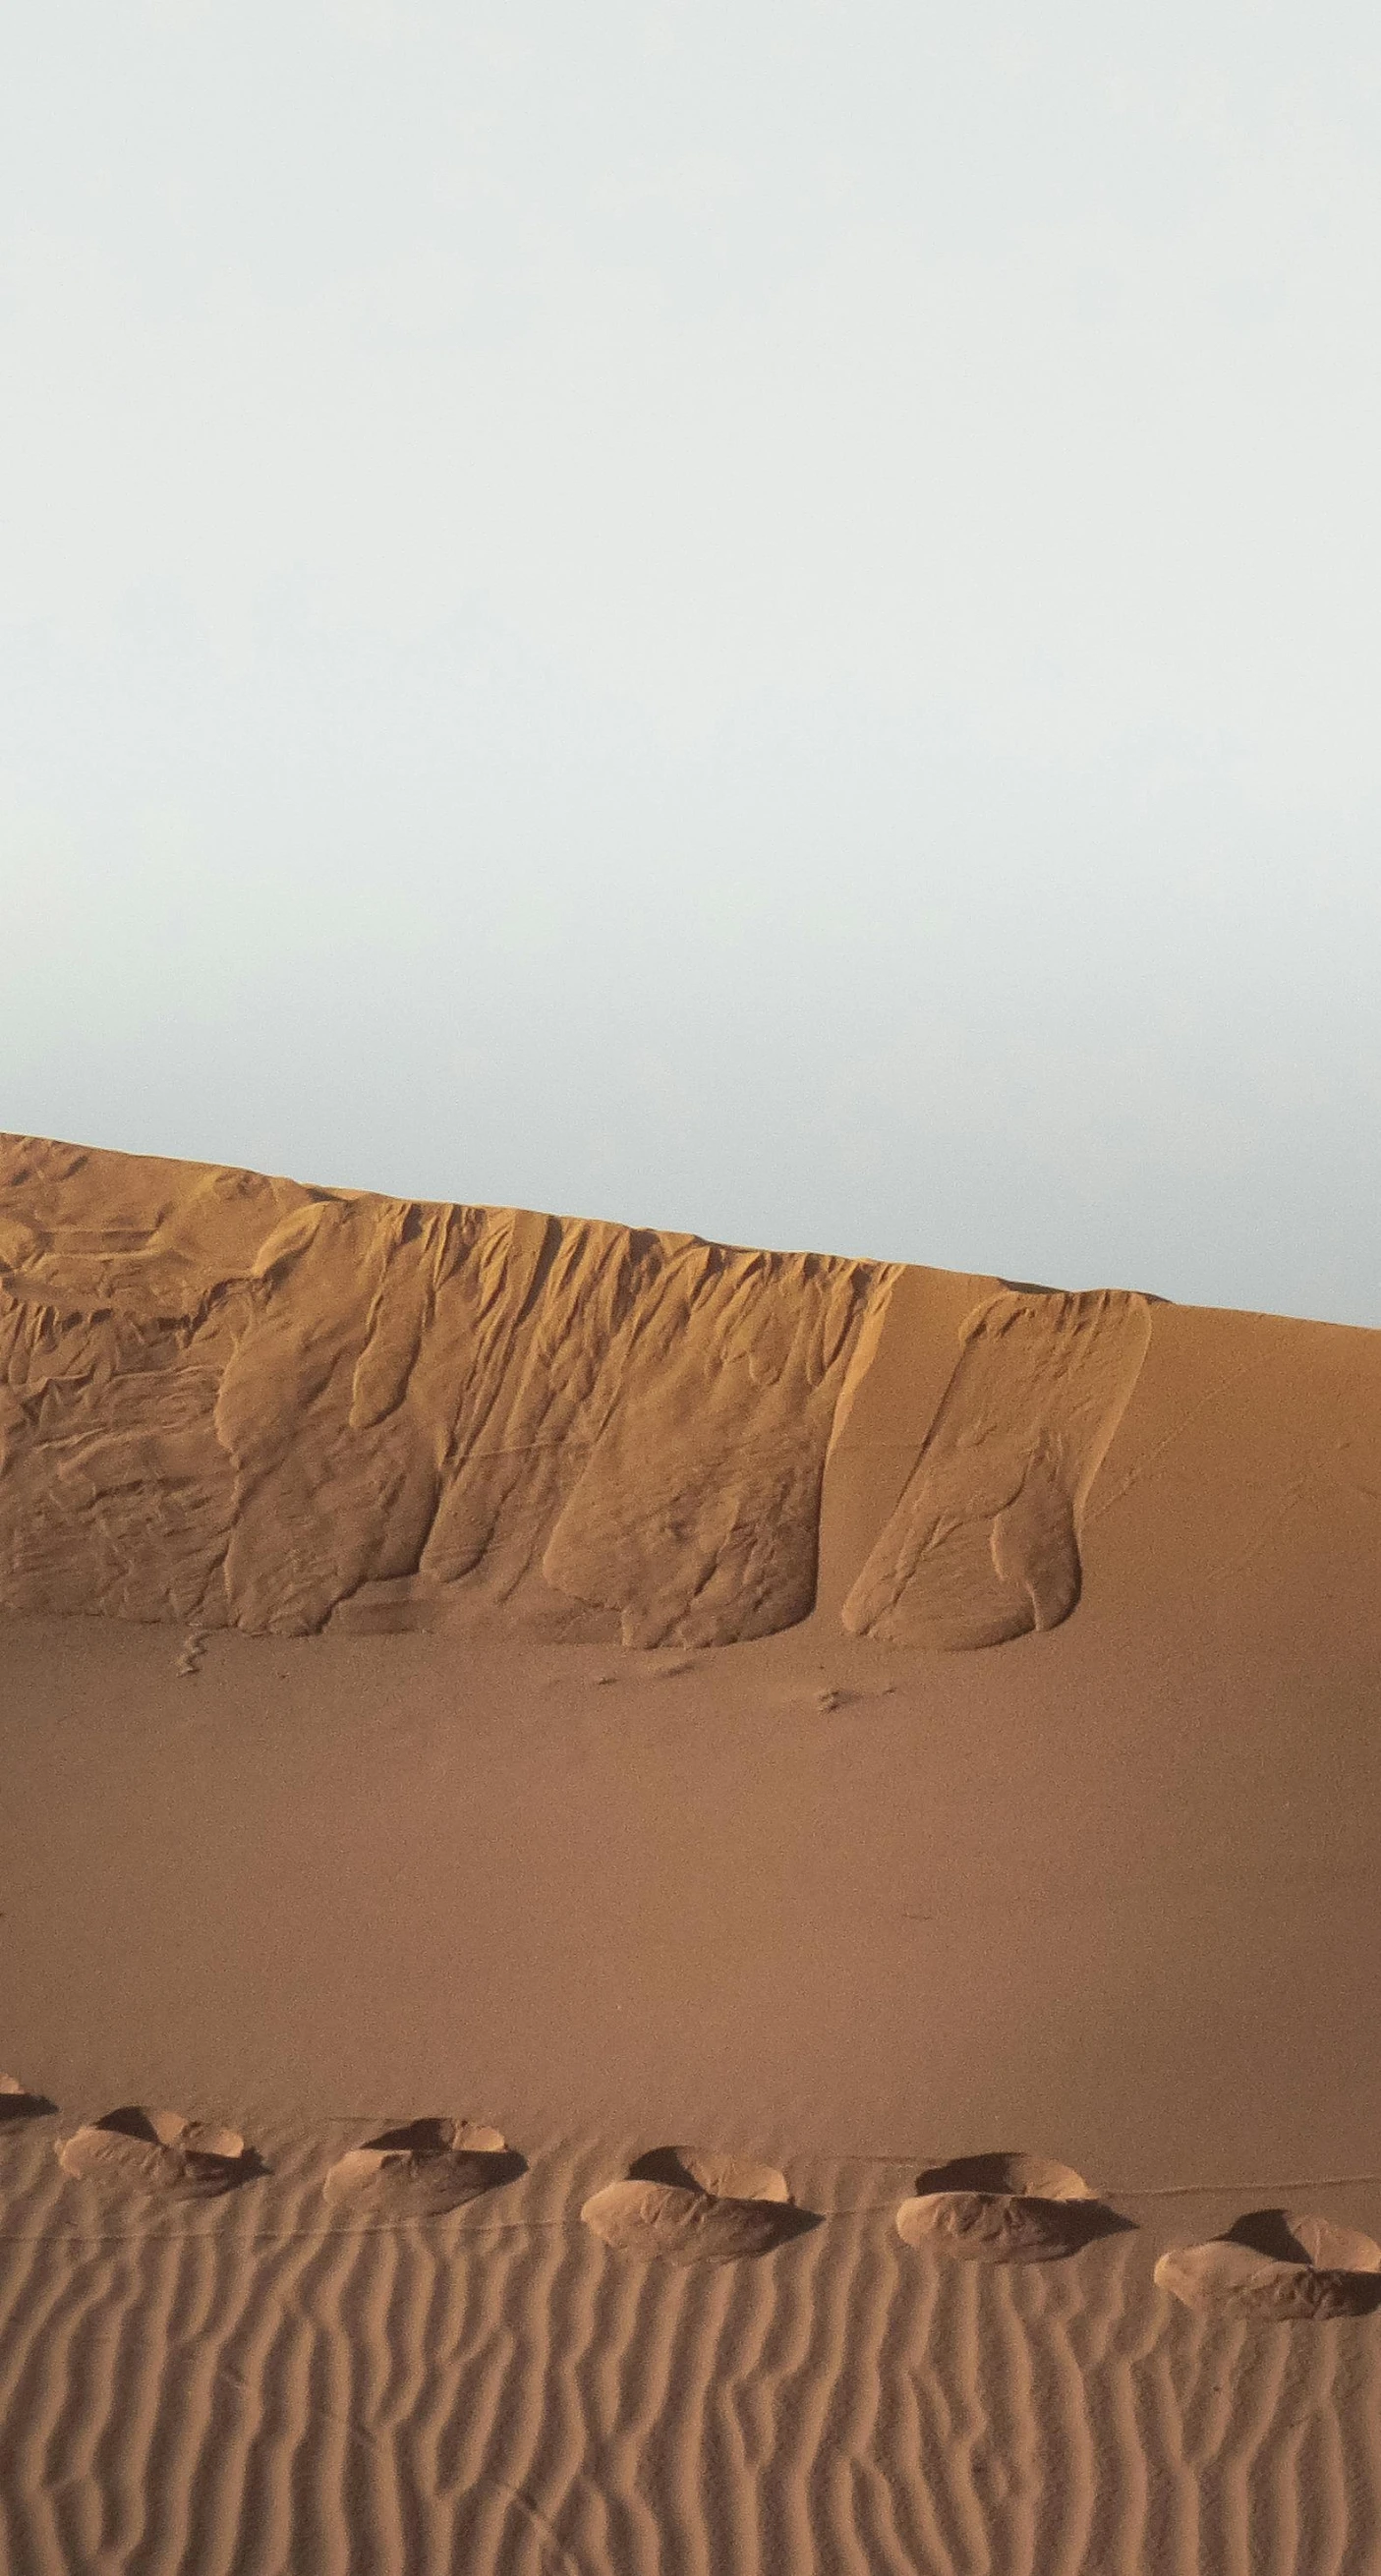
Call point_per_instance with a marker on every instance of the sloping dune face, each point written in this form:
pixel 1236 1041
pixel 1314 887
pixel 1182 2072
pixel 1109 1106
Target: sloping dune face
pixel 227 1400
pixel 232 1400
pixel 983 1545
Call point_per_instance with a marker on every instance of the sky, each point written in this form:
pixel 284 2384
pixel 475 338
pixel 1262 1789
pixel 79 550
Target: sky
pixel 758 619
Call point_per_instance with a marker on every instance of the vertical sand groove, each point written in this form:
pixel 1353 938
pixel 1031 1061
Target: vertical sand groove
pixel 956 2351
pixel 899 2436
pixel 731 2302
pixel 1031 2426
pixel 178 2467
pixel 820 2392
pixel 629 2389
pixel 59 2430
pixel 791 2422
pixel 864 2271
pixel 255 2392
pixel 1109 2338
pixel 144 2296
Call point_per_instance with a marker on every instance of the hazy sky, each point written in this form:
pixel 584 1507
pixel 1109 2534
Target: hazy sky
pixel 753 617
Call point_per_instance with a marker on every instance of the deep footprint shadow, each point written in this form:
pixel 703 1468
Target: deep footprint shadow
pixel 1277 2265
pixel 1005 2208
pixel 161 2152
pixel 684 2205
pixel 1269 2232
pixel 18 2104
pixel 424 2167
pixel 726 2177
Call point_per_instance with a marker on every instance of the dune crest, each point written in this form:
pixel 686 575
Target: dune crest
pixel 617 1433
pixel 607 1433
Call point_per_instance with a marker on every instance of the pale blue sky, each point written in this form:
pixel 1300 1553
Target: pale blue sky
pixel 749 617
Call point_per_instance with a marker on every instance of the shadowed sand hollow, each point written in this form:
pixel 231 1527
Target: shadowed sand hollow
pixel 1279 2266
pixel 1004 2209
pixel 680 2205
pixel 17 2102
pixel 422 2168
pixel 132 2149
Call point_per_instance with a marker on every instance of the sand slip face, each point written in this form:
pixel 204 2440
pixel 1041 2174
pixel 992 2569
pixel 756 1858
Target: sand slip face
pixel 232 1401
pixel 983 1545
pixel 227 1400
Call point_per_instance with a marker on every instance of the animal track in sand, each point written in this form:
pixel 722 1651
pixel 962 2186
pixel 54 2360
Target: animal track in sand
pixel 133 2149
pixel 1279 2265
pixel 684 2206
pixel 424 2168
pixel 1004 2209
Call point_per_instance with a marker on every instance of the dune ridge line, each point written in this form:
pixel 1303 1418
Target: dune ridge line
pixel 229 1400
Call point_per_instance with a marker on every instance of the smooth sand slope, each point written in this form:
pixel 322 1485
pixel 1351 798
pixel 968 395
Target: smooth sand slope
pixel 673 1908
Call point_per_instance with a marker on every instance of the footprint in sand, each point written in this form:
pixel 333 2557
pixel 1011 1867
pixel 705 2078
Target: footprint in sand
pixel 18 2103
pixel 423 2168
pixel 678 2205
pixel 157 2151
pixel 1278 2265
pixel 1004 2209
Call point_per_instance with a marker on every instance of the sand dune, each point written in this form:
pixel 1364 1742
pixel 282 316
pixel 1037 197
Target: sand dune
pixel 572 1417
pixel 848 1716
pixel 631 1424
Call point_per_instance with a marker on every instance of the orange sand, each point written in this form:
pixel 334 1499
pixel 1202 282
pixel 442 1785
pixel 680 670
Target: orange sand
pixel 614 1690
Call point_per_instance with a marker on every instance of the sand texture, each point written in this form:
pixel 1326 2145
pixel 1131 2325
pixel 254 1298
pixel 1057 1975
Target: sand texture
pixel 234 1402
pixel 983 1544
pixel 254 2392
pixel 753 1877
pixel 422 2169
pixel 680 2206
pixel 163 2152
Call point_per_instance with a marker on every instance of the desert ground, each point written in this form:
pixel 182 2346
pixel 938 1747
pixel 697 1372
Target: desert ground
pixel 728 1903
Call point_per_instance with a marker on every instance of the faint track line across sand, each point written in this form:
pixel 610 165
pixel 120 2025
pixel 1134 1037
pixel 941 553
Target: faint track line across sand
pixel 374 2402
